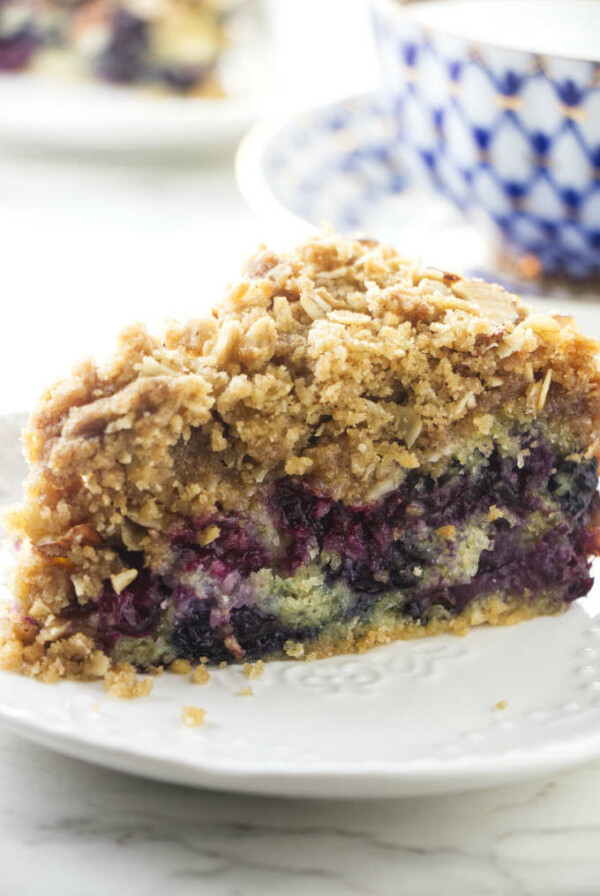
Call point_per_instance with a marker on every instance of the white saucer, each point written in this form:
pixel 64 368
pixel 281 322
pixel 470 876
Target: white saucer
pixel 337 165
pixel 411 718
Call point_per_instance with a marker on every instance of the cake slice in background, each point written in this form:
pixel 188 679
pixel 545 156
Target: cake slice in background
pixel 168 45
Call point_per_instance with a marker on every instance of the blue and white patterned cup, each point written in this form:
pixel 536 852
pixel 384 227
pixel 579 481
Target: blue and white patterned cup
pixel 510 136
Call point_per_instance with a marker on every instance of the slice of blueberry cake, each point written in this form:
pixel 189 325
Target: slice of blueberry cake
pixel 351 449
pixel 168 44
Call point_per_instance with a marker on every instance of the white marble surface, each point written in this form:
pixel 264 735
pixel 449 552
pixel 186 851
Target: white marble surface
pixel 72 829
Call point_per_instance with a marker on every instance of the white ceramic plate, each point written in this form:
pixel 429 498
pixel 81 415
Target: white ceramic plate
pixel 69 114
pixel 410 718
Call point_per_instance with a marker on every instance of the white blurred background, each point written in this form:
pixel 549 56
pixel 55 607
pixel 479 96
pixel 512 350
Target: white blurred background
pixel 88 244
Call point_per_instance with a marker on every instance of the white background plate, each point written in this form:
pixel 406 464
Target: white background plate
pixel 63 114
pixel 410 718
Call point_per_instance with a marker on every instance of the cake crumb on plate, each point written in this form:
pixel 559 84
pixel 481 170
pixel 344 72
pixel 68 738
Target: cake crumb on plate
pixel 192 716
pixel 201 675
pixel 253 670
pixel 122 681
pixel 180 667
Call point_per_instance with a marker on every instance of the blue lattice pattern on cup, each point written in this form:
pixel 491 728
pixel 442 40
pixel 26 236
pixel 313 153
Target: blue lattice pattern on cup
pixel 506 133
pixel 331 164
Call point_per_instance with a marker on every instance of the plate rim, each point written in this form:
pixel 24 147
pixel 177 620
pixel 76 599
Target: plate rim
pixel 200 122
pixel 367 781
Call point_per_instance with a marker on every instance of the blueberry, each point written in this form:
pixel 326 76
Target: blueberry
pixel 413 609
pixel 193 638
pixel 183 78
pixel 123 59
pixel 135 611
pixel 257 633
pixel 575 484
pixel 16 49
pixel 300 507
pixel 237 548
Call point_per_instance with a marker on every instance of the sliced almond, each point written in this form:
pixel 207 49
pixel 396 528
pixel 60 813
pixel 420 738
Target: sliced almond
pixel 409 425
pixel 493 302
pixel 311 307
pixel 121 580
pixel 544 390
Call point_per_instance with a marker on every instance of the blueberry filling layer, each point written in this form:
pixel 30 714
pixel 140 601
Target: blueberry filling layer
pixel 303 565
